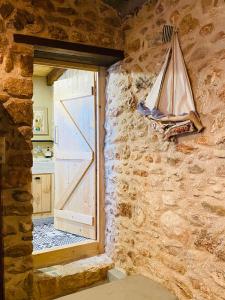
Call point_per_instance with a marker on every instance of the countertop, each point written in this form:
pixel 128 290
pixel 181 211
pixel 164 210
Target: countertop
pixel 43 166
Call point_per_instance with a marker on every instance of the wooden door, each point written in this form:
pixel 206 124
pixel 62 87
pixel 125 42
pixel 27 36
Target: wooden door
pixel 75 162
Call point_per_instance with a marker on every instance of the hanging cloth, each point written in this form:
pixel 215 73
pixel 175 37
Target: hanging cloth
pixel 170 102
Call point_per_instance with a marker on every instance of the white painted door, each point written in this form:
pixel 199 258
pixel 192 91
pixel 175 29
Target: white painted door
pixel 75 159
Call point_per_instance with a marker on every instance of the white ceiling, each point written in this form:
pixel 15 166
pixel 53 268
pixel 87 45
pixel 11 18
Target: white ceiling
pixel 42 70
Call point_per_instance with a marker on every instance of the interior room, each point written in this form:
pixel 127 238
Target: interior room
pixel 112 149
pixel 64 112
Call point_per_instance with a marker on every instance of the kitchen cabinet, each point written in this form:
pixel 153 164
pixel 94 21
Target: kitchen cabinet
pixel 42 193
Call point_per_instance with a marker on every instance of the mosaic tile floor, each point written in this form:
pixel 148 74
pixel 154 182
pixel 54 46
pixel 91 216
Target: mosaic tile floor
pixel 46 236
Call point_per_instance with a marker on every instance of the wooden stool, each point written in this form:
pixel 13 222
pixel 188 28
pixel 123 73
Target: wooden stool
pixel 135 287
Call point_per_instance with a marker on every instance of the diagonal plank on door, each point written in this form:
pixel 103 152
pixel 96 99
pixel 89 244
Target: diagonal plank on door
pixel 63 102
pixel 83 168
pixel 74 184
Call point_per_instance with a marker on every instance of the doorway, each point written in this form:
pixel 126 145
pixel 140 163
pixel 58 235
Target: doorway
pixel 66 158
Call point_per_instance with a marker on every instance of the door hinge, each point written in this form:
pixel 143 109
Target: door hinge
pixel 93 90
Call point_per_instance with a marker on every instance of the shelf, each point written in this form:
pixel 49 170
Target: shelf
pixel 42 141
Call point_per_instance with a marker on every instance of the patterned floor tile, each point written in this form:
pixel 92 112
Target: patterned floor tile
pixel 46 236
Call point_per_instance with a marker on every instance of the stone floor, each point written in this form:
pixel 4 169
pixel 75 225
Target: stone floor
pixel 135 287
pixel 45 236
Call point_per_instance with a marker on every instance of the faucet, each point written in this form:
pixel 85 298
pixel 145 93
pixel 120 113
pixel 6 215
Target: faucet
pixel 38 150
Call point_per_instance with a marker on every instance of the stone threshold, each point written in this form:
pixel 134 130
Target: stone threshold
pixel 60 280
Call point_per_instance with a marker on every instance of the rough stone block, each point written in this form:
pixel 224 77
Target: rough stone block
pixel 18 265
pixel 23 18
pixel 3 97
pixel 71 283
pixel 8 63
pixel 25 226
pixel 67 11
pixel 174 226
pixel 84 25
pixel 22 196
pixel 188 24
pixel 16 177
pixel 26 65
pixel 18 209
pixel 207 29
pixel 57 32
pixel 22 88
pixel 134 45
pixel 6 9
pixel 9 229
pixel 59 20
pixel 21 249
pixel 21 111
pixel 57 281
pixel 125 210
pixel 46 5
pixel 26 132
pixel 195 169
pixel 20 160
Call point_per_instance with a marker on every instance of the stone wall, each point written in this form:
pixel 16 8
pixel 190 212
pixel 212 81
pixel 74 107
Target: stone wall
pixel 165 200
pixel 90 22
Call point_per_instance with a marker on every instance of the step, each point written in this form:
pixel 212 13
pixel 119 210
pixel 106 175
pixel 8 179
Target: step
pixel 60 280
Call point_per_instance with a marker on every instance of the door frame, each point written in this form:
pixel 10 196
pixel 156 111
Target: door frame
pixel 68 253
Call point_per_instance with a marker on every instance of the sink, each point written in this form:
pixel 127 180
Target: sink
pixel 43 166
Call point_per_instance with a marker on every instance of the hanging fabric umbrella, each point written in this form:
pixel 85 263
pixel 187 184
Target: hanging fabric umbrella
pixel 170 103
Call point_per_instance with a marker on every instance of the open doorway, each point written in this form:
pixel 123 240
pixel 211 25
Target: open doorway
pixel 65 159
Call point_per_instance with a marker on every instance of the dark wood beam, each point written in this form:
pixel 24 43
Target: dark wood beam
pixel 54 75
pixel 74 52
pixel 125 7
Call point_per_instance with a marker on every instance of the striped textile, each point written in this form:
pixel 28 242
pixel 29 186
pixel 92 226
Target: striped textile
pixel 167 33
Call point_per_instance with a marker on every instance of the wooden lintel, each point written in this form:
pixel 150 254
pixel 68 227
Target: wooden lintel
pixel 71 52
pixel 54 75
